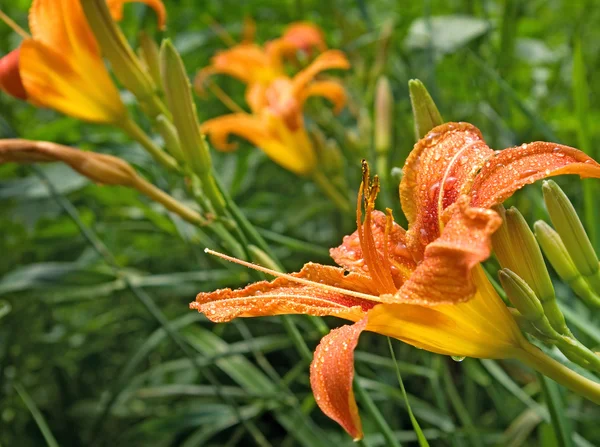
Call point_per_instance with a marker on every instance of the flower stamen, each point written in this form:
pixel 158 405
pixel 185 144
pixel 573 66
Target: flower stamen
pixel 306 282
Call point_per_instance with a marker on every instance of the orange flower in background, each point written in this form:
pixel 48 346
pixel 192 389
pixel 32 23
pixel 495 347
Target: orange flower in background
pixel 422 286
pixel 116 9
pixel 257 66
pixel 60 66
pixel 277 125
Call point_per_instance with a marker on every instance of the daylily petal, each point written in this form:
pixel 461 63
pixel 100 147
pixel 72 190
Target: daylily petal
pixel 62 26
pixel 247 62
pixel 305 36
pixel 243 125
pixel 511 169
pixel 80 88
pixel 438 170
pixel 285 296
pixel 292 150
pixel 331 90
pixel 331 59
pixel 331 375
pixel 350 255
pixel 444 276
pixel 61 67
pixel 53 81
pixel 481 328
pixel 116 9
pixel 281 102
pixel 10 78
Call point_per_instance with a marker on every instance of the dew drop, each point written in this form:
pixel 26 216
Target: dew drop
pixel 457 358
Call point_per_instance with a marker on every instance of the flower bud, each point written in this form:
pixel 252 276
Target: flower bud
pixel 524 299
pixel 425 112
pixel 517 249
pixel 384 102
pixel 559 257
pixel 181 104
pixel 149 53
pixel 571 231
pixel 116 49
pixel 10 77
pixel 169 133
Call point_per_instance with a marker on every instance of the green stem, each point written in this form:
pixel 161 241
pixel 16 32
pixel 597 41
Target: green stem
pixel 536 359
pixel 169 202
pixel 134 131
pixel 330 191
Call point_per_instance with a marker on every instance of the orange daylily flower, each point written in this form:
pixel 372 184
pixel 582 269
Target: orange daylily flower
pixel 257 66
pixel 422 286
pixel 277 124
pixel 60 66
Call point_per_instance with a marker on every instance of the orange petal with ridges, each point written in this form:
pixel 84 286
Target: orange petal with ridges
pixel 285 296
pixel 331 90
pixel 350 255
pixel 329 60
pixel 513 168
pixel 81 88
pixel 10 78
pixel 440 168
pixel 444 276
pixel 331 375
pixel 116 9
pixel 243 125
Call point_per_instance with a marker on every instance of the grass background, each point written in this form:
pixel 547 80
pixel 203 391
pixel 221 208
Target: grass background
pixel 90 275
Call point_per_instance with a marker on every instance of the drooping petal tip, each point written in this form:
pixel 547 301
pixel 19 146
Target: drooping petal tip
pixel 332 373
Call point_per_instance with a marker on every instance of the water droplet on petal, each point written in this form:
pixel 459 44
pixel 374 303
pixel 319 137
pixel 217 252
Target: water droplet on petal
pixel 457 358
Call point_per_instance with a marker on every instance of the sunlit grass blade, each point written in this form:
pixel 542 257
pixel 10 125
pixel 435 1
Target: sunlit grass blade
pixel 37 416
pixel 413 420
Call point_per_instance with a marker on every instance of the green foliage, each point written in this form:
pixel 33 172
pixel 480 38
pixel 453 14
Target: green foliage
pixel 97 345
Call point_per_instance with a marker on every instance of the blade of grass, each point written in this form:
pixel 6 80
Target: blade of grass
pixel 146 301
pixel 38 417
pixel 413 420
pixel 554 402
pixel 380 421
pixel 581 94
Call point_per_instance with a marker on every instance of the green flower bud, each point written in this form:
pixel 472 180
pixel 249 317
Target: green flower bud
pixel 384 103
pixel 425 112
pixel 567 224
pixel 178 93
pixel 559 257
pixel 517 249
pixel 527 303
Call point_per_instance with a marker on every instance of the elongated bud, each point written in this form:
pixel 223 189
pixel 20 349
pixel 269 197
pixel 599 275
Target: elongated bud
pixel 169 133
pixel 425 112
pixel 181 104
pixel 524 299
pixel 517 249
pixel 149 53
pixel 571 231
pixel 116 49
pixel 384 103
pixel 521 295
pixel 100 168
pixel 559 257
